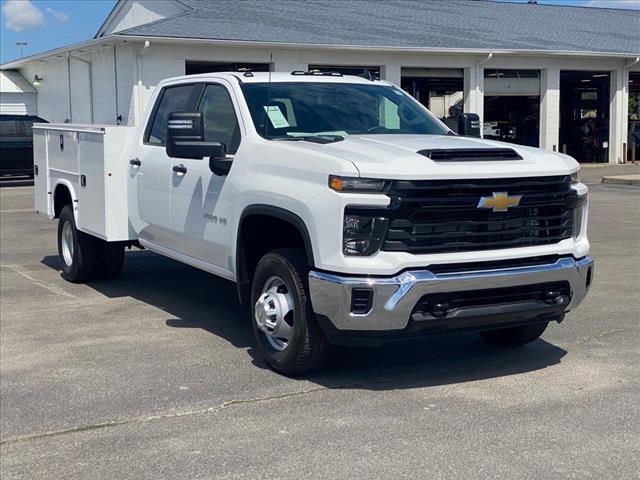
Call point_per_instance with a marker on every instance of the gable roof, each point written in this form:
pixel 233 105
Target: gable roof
pixel 454 24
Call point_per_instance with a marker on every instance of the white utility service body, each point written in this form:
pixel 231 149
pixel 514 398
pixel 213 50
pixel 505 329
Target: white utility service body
pixel 317 188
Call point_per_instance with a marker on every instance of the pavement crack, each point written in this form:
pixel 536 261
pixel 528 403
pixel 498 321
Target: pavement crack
pixel 52 289
pixel 137 420
pixel 280 396
pixel 591 338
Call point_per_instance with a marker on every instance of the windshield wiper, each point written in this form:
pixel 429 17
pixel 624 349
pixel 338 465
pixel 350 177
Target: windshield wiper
pixel 323 139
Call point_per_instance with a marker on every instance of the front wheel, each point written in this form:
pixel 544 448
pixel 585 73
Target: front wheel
pixel 284 324
pixel 515 335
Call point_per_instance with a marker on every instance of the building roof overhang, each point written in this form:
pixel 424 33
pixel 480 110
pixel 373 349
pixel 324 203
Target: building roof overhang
pixel 110 40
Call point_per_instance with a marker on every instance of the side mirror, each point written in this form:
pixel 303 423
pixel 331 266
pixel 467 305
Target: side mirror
pixel 185 137
pixel 220 165
pixel 469 125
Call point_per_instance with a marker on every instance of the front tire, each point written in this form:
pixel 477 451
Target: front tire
pixel 77 250
pixel 284 324
pixel 515 335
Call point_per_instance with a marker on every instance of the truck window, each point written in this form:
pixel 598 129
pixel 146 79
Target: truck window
pixel 219 117
pixel 7 128
pixel 172 99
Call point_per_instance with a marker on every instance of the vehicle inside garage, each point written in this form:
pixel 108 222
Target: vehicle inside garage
pixel 441 90
pixel 512 106
pixel 633 135
pixel 584 115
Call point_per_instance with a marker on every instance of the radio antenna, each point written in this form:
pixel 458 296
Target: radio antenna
pixel 268 119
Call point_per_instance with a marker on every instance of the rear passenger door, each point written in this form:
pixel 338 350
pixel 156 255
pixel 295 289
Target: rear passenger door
pixel 150 167
pixel 198 219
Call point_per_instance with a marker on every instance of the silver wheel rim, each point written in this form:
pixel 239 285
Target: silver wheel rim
pixel 67 243
pixel 274 313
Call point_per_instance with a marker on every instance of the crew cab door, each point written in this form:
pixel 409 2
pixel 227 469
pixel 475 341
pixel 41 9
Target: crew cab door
pixel 198 218
pixel 150 167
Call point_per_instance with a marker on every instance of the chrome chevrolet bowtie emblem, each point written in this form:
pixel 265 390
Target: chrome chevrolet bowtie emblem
pixel 499 201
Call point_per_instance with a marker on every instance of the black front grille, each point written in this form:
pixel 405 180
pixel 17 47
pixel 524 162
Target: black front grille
pixel 443 304
pixel 438 216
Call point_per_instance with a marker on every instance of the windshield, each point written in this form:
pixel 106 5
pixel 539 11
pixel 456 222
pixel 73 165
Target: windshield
pixel 296 110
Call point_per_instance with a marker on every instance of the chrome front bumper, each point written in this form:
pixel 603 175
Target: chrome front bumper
pixel 395 297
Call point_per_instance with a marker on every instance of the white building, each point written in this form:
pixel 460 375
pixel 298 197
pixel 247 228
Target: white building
pixel 557 77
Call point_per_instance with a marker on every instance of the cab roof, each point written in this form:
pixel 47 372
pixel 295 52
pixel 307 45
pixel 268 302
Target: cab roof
pixel 280 77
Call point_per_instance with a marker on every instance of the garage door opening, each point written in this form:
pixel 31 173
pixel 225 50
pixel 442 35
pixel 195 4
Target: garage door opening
pixel 584 115
pixel 633 135
pixel 512 106
pixel 194 67
pixel 441 90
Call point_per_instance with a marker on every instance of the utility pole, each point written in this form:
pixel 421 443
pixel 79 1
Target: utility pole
pixel 21 45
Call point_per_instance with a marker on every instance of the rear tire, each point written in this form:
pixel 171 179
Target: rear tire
pixel 77 250
pixel 110 260
pixel 515 335
pixel 284 324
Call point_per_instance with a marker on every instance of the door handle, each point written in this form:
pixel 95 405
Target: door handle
pixel 135 162
pixel 180 169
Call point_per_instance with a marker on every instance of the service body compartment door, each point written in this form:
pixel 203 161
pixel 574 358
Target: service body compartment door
pixel 91 183
pixel 62 151
pixel 42 198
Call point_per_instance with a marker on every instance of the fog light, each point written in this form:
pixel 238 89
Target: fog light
pixel 361 300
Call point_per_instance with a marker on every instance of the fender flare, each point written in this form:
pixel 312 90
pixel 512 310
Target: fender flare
pixel 72 192
pixel 242 275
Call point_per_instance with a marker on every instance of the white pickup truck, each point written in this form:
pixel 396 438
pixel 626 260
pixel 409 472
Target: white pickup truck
pixel 345 212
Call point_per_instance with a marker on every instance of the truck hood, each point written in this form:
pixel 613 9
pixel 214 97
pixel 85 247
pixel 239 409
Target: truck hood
pixel 396 157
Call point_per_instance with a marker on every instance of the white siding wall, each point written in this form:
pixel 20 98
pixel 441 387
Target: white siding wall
pixel 53 98
pixel 53 93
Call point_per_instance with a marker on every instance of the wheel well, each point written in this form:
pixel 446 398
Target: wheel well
pixel 61 197
pixel 261 233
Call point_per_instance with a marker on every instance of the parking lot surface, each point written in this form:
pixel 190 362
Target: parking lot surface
pixel 155 375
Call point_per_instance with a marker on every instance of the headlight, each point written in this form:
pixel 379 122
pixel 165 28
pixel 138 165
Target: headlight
pixel 575 177
pixel 578 213
pixel 356 185
pixel 363 235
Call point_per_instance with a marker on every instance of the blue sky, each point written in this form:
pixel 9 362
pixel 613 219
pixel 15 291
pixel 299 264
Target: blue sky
pixel 48 24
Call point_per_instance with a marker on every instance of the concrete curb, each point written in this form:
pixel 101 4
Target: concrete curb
pixel 622 179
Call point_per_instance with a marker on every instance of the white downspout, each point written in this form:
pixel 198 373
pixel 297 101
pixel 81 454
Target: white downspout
pixel 139 56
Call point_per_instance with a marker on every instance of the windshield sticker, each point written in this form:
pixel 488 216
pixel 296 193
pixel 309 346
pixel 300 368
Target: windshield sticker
pixel 274 113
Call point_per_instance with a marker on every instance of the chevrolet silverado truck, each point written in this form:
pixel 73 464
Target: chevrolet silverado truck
pixel 344 211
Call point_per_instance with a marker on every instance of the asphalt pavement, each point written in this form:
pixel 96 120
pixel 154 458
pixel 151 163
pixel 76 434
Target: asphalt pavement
pixel 155 375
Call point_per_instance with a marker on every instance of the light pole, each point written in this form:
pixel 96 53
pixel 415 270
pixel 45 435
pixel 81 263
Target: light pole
pixel 21 45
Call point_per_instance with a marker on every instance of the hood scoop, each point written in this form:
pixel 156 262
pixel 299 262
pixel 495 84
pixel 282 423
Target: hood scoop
pixel 470 154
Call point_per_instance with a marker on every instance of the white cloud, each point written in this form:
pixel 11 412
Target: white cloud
pixel 628 4
pixel 58 16
pixel 21 15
